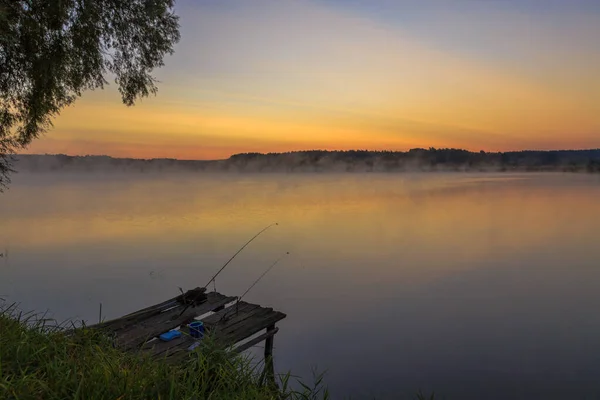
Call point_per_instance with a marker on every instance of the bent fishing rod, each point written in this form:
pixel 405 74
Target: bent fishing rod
pixel 254 284
pixel 231 259
pixel 238 252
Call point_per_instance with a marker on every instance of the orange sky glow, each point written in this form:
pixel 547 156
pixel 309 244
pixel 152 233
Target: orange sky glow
pixel 295 75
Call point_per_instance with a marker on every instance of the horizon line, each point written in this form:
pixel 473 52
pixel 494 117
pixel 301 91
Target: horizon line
pixel 306 151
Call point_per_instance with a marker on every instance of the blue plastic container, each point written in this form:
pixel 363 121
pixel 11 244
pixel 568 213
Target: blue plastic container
pixel 196 329
pixel 167 337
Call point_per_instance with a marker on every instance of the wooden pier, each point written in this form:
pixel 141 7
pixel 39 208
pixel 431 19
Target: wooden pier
pixel 231 323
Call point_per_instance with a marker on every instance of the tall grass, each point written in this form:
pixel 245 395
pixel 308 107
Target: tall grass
pixel 39 360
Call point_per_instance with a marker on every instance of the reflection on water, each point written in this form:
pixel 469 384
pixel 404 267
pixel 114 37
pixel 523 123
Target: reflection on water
pixel 477 286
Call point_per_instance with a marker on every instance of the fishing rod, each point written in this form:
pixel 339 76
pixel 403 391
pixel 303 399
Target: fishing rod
pixel 238 252
pixel 254 284
pixel 227 263
pixel 263 274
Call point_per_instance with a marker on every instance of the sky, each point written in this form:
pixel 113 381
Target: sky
pixel 284 75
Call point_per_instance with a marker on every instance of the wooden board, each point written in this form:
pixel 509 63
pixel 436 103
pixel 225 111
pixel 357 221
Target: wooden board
pixel 255 341
pixel 227 325
pixel 123 322
pixel 232 325
pixel 137 334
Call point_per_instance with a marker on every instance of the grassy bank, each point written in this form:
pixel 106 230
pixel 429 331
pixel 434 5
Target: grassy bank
pixel 38 361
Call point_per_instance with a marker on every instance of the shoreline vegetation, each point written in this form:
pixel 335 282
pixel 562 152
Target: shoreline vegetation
pixel 414 160
pixel 42 360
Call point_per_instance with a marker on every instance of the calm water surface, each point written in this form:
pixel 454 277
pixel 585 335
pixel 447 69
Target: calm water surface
pixel 477 286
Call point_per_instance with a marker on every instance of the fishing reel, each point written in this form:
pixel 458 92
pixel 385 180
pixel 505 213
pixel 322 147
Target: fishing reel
pixel 193 297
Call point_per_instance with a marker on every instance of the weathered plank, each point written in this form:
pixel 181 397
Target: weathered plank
pixel 158 348
pixel 137 334
pixel 230 315
pixel 253 326
pixel 224 329
pixel 227 325
pixel 166 349
pixel 253 342
pixel 132 318
pixel 117 324
pixel 247 320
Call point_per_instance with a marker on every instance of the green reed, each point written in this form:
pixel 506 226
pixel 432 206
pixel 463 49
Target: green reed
pixel 40 360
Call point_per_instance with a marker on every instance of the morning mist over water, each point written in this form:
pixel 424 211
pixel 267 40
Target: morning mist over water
pixel 471 285
pixel 400 194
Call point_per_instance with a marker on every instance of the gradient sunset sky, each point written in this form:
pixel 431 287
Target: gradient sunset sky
pixel 281 75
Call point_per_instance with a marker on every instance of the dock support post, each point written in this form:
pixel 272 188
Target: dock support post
pixel 269 372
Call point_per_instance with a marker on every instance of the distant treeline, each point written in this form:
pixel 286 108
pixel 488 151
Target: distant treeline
pixel 62 162
pixel 431 159
pixel 427 159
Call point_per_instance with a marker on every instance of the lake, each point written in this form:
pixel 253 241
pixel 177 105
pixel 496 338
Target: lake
pixel 477 286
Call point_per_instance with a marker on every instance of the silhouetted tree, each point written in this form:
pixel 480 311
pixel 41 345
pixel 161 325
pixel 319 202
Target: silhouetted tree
pixel 53 50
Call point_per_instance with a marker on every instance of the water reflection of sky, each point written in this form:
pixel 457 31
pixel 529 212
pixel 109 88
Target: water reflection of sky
pixel 468 284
